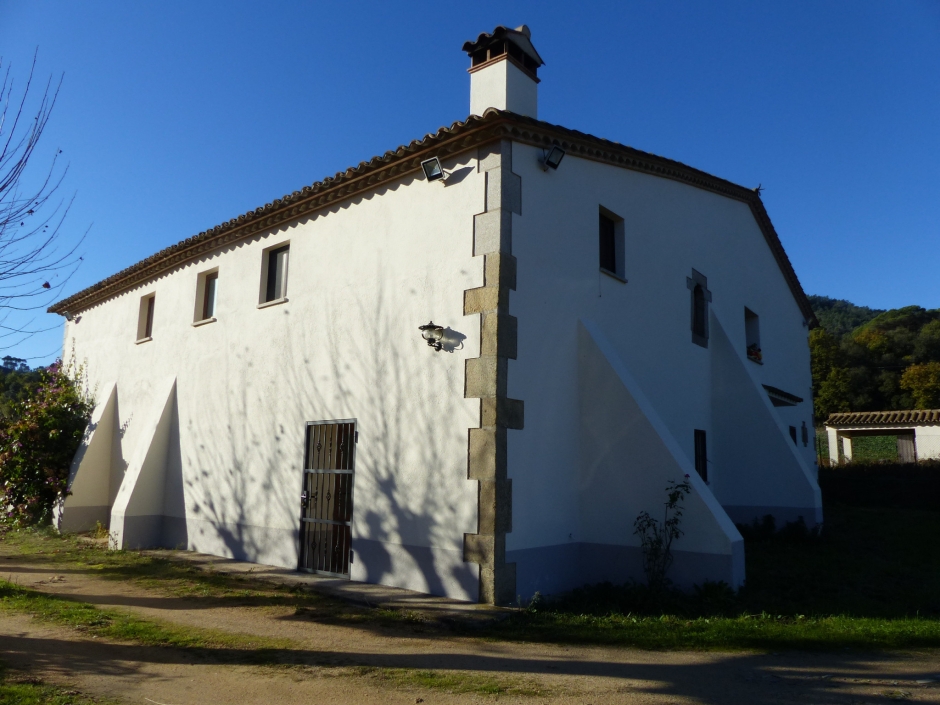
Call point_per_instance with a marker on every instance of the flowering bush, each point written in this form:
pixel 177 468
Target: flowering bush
pixel 38 442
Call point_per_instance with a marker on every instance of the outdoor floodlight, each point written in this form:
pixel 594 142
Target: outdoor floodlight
pixel 433 169
pixel 433 334
pixel 68 316
pixel 553 158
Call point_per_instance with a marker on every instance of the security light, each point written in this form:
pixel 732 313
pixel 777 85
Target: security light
pixel 433 169
pixel 68 316
pixel 432 333
pixel 553 158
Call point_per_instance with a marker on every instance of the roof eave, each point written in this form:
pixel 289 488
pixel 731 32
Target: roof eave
pixel 406 159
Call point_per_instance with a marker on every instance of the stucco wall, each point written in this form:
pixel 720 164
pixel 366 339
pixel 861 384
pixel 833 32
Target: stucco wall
pixel 504 86
pixel 363 276
pixel 669 229
pixel 928 442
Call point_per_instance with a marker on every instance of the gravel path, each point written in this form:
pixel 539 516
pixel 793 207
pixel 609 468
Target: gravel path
pixel 329 653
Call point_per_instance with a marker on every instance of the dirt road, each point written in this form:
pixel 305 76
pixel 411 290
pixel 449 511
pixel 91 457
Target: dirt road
pixel 329 657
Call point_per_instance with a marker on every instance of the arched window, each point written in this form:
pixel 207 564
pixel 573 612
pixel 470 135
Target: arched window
pixel 698 287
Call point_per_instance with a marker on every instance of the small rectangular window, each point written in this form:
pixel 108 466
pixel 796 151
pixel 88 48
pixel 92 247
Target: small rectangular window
pixel 610 243
pixel 148 332
pixel 208 298
pixel 206 289
pixel 145 317
pixel 275 286
pixel 701 454
pixel 752 336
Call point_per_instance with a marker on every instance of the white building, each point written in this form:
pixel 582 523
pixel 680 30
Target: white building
pixel 641 316
pixel 917 431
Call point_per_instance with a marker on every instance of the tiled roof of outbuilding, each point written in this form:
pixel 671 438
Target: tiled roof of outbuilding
pixel 910 417
pixel 406 159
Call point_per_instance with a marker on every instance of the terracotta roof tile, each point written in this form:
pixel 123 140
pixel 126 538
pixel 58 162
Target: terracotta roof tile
pixel 520 35
pixel 910 417
pixel 406 159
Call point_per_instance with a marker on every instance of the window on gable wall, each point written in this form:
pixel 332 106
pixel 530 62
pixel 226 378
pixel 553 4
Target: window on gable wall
pixel 610 244
pixel 698 286
pixel 752 336
pixel 701 454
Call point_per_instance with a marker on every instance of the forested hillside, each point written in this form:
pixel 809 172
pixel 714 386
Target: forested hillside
pixel 16 383
pixel 868 360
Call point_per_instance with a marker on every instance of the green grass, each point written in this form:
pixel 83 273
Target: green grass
pixel 122 626
pixel 20 689
pixel 183 580
pixel 870 581
pixel 217 646
pixel 222 646
pixel 718 633
pixel 452 681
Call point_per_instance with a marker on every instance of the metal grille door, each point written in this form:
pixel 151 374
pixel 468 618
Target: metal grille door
pixel 327 497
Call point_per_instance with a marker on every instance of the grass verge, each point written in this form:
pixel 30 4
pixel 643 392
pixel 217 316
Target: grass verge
pixel 453 681
pixel 180 579
pixel 220 647
pixel 121 626
pixel 744 632
pixel 871 580
pixel 21 689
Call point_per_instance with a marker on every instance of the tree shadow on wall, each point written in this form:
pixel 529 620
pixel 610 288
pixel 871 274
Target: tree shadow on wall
pixel 244 466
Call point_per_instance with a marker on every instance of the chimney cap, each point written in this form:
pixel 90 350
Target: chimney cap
pixel 521 37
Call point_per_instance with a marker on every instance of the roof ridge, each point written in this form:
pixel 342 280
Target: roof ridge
pixel 898 416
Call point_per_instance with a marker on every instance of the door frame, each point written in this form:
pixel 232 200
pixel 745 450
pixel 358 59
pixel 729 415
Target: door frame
pixel 352 488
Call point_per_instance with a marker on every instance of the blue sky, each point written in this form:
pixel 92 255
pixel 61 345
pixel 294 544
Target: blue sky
pixel 176 116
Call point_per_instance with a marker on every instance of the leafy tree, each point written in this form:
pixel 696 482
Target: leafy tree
pixel 839 316
pixel 16 364
pixel 835 393
pixel 923 381
pixel 15 386
pixel 863 369
pixel 927 343
pixel 38 443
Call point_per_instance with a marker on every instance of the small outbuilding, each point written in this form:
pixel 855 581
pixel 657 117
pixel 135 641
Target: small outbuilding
pixel 917 431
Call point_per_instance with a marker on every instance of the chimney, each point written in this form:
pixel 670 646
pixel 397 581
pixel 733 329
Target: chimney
pixel 504 72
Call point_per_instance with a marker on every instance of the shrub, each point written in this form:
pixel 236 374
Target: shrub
pixel 656 538
pixel 901 486
pixel 38 442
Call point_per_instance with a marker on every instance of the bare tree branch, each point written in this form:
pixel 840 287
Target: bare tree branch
pixel 36 260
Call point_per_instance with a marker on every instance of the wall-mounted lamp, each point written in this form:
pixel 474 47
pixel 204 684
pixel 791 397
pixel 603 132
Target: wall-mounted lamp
pixel 68 316
pixel 433 170
pixel 432 333
pixel 553 158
